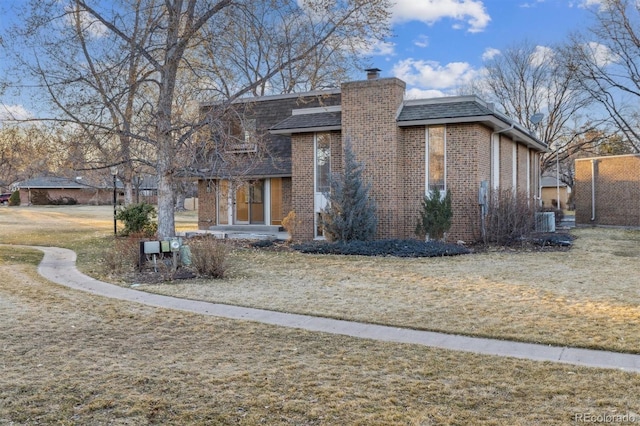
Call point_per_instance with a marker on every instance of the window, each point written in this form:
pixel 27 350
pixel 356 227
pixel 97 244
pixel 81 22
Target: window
pixel 244 137
pixel 435 161
pixel 323 162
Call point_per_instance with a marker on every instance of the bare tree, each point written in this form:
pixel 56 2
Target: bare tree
pixel 31 150
pixel 606 61
pixel 258 41
pixel 152 46
pixel 526 80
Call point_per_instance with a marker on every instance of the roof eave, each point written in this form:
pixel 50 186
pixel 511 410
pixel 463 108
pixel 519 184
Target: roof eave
pixel 289 132
pixel 516 133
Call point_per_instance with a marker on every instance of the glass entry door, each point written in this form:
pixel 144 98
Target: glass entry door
pixel 249 206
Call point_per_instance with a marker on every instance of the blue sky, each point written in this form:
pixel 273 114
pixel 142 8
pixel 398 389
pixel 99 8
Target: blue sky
pixel 439 45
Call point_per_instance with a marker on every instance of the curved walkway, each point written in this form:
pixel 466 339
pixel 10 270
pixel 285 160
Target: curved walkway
pixel 59 266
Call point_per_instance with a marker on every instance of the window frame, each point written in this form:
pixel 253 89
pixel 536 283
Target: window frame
pixel 427 177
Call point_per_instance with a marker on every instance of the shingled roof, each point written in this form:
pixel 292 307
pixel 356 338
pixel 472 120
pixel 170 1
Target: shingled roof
pixel 433 110
pixel 446 110
pixel 311 121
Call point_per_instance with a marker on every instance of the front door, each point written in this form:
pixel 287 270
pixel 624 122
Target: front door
pixel 249 206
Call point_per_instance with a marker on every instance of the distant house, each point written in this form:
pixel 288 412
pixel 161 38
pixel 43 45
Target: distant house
pixel 408 147
pixel 56 188
pixel 607 190
pixel 549 188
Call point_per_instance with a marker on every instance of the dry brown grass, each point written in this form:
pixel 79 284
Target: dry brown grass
pixel 72 358
pixel 588 296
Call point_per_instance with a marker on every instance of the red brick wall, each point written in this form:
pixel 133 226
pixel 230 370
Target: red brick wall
pixel 287 205
pixel 82 196
pixel 369 120
pixel 617 191
pixel 302 191
pixel 468 164
pixel 523 163
pixel 412 171
pixel 506 162
pixel 207 204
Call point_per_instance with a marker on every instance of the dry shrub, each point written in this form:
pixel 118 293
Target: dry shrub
pixel 124 255
pixel 290 223
pixel 209 257
pixel 510 217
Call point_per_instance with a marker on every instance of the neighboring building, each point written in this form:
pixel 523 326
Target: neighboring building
pixel 56 188
pixel 549 188
pixel 607 190
pixel 408 148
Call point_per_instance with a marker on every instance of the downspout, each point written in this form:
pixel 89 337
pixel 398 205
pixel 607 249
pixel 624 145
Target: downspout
pixel 593 190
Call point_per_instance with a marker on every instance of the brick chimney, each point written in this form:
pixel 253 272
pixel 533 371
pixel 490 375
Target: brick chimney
pixel 369 109
pixel 373 73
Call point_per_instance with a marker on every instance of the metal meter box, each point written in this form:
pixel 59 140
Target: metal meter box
pixel 152 247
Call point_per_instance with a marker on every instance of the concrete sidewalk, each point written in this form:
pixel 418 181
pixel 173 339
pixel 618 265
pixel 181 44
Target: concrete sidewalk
pixel 59 266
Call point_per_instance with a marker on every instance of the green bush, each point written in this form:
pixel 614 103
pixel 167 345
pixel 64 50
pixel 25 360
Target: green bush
pixel 435 216
pixel 351 212
pixel 137 219
pixel 14 200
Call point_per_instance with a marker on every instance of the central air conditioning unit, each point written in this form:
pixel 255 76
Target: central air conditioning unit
pixel 546 222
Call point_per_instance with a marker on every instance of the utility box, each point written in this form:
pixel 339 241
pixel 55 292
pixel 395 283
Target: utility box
pixel 546 222
pixel 151 247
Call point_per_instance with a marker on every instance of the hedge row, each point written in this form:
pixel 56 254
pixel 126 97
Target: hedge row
pixel 398 248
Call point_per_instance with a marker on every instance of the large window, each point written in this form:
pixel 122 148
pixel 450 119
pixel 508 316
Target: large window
pixel 323 162
pixel 435 168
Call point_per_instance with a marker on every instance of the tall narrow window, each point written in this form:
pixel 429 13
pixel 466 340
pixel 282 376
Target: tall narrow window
pixel 323 162
pixel 436 172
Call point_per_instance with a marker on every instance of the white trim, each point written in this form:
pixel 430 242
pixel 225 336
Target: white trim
pixel 528 174
pixel 305 130
pixel 316 110
pixel 250 99
pixel 445 100
pixel 319 199
pixel 514 166
pixel 495 161
pixel 266 201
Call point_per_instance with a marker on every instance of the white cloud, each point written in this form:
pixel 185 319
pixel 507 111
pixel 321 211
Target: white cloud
pixel 541 55
pixel 90 25
pixel 432 75
pixel 421 41
pixel 471 13
pixel 490 53
pixel 532 4
pixel 375 48
pixel 590 3
pixel 415 93
pixel 600 54
pixel 13 112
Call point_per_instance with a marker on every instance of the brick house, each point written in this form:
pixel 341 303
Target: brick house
pixel 607 190
pixel 55 187
pixel 408 148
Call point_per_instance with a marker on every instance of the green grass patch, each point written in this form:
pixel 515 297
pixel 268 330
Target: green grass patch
pixel 18 255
